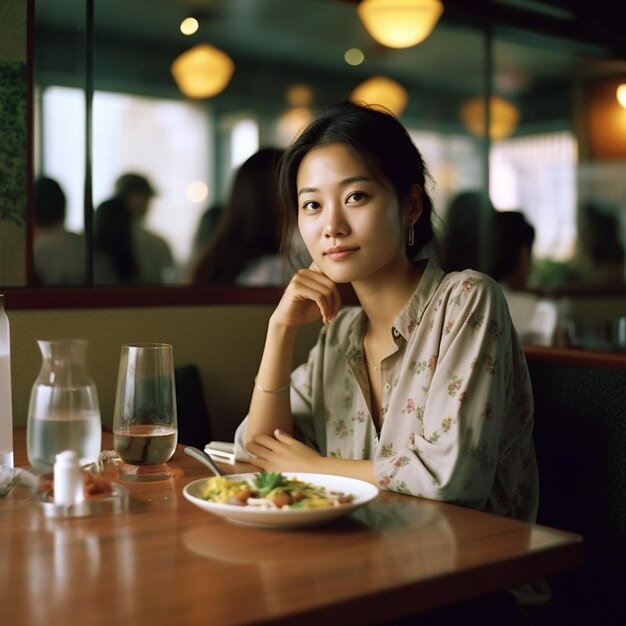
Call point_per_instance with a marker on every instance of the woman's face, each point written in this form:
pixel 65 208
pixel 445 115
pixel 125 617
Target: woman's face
pixel 350 223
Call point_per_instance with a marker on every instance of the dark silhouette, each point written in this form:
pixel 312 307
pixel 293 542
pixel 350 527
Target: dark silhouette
pixel 247 236
pixel 603 252
pixel 205 228
pixel 50 203
pixel 58 254
pixel 137 255
pixel 513 239
pixel 464 233
pixel 535 318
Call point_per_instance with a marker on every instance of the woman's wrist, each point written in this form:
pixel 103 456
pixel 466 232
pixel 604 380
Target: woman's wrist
pixel 279 335
pixel 279 389
pixel 352 468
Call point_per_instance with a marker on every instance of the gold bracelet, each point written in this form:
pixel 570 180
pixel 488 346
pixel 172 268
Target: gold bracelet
pixel 272 390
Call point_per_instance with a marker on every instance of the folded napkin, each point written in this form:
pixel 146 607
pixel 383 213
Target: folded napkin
pixel 223 451
pixel 10 477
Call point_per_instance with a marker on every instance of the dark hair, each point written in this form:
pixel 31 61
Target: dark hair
pixel 248 227
pixel 511 233
pixel 112 233
pixel 49 203
pixel 463 230
pixel 385 148
pixel 133 183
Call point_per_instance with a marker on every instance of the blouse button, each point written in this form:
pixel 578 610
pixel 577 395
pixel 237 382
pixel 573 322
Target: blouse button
pixel 396 332
pixel 387 386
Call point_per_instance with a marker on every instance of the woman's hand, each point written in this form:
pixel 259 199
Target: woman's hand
pixel 283 453
pixel 309 296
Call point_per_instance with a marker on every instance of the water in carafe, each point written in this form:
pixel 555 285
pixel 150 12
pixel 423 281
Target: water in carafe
pixel 64 412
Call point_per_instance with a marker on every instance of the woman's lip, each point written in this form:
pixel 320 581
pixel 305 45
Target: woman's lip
pixel 339 253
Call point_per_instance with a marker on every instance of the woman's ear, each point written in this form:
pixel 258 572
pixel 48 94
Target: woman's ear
pixel 414 204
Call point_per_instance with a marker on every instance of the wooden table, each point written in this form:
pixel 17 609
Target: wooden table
pixel 166 561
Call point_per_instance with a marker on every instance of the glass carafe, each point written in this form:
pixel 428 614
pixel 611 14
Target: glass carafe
pixel 64 413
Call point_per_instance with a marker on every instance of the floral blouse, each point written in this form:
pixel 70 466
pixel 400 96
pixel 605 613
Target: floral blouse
pixel 457 407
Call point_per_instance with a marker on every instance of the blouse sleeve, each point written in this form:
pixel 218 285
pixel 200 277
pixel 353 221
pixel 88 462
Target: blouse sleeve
pixel 453 451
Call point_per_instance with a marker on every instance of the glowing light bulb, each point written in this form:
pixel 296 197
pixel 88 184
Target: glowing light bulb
pixel 189 26
pixel 197 191
pixel 354 56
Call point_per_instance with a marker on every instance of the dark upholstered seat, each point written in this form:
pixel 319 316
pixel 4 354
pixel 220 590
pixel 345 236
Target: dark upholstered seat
pixel 580 437
pixel 194 425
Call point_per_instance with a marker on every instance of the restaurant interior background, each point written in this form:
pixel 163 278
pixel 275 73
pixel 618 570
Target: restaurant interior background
pixel 104 101
pixel 558 62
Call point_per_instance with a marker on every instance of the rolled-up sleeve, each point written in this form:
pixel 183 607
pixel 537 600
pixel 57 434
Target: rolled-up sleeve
pixel 457 402
pixel 450 451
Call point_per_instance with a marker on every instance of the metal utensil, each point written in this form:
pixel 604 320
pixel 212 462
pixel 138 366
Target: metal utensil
pixel 203 457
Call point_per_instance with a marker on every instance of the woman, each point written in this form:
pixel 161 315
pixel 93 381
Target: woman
pixel 424 388
pixel 244 249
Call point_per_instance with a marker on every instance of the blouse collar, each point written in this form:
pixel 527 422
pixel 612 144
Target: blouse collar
pixel 411 315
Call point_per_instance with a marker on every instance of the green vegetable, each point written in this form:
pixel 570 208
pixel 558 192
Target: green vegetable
pixel 266 481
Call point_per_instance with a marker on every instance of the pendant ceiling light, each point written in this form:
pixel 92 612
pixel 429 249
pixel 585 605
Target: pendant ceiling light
pixel 503 117
pixel 621 95
pixel 381 91
pixel 292 122
pixel 399 23
pixel 202 71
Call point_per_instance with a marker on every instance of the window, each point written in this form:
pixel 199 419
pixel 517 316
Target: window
pixel 167 141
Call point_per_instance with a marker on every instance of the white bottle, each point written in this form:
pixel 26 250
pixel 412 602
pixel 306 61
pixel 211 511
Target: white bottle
pixel 68 479
pixel 6 405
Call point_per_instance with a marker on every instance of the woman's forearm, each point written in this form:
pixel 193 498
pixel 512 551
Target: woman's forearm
pixel 270 407
pixel 362 470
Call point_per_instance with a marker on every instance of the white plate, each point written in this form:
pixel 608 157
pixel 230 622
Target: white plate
pixel 362 491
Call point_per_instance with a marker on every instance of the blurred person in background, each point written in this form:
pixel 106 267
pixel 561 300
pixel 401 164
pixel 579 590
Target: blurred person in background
pixel 137 255
pixel 462 232
pixel 244 247
pixel 59 254
pixel 204 229
pixel 535 318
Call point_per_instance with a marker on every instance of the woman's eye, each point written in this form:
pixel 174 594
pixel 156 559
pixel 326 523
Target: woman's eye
pixel 357 196
pixel 311 205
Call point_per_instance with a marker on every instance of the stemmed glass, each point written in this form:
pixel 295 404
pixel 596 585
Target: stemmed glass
pixel 145 429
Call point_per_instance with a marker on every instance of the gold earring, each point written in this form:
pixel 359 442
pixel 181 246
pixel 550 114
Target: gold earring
pixel 411 235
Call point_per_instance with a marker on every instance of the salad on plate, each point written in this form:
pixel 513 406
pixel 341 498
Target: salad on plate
pixel 272 490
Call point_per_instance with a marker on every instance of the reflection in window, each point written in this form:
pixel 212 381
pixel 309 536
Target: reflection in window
pixel 454 162
pixel 533 174
pixel 244 141
pixel 537 175
pixel 63 153
pixel 165 140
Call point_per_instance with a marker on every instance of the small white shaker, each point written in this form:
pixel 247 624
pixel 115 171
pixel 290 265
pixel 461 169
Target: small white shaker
pixel 68 479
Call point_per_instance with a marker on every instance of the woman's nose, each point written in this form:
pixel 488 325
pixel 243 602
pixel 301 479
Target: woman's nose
pixel 336 225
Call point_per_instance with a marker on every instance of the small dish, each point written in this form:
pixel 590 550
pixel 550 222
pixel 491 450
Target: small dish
pixel 116 502
pixel 361 491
